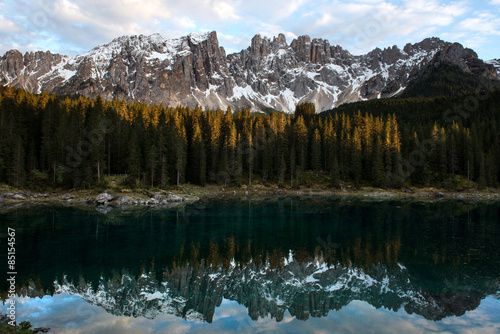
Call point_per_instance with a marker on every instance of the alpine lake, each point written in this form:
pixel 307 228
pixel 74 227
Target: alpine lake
pixel 257 265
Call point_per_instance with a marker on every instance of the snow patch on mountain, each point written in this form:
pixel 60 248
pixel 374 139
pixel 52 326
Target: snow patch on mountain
pixel 274 289
pixel 194 70
pixel 496 63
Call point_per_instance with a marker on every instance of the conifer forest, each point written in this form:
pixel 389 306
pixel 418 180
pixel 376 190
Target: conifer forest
pixel 73 142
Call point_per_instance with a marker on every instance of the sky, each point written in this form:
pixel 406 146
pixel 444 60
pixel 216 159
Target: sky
pixel 76 26
pixel 71 314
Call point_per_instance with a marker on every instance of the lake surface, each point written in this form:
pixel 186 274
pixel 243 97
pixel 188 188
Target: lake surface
pixel 259 266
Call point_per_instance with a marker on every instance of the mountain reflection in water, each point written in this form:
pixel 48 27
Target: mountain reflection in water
pixel 302 257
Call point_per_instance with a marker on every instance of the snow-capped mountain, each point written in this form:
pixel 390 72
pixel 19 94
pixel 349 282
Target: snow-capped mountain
pixel 195 70
pixel 304 289
pixel 496 64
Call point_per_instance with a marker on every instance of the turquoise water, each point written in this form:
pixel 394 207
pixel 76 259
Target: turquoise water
pixel 248 266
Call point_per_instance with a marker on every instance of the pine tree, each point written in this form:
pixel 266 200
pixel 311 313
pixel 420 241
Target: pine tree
pixel 356 157
pixel 18 171
pixel 377 173
pixel 316 151
pixel 301 145
pixel 179 148
pixel 152 157
pixel 197 156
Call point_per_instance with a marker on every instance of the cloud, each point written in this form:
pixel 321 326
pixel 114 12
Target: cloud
pixel 225 10
pixel 72 26
pixel 484 23
pixel 7 26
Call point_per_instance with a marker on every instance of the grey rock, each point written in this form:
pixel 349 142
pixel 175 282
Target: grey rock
pixel 18 197
pixel 153 201
pixel 172 198
pixel 122 201
pixel 159 197
pixel 439 195
pixel 66 197
pixel 41 195
pixel 104 198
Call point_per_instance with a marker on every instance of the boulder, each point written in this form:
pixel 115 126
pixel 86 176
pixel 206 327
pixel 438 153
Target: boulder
pixel 439 195
pixel 152 201
pixel 122 201
pixel 159 197
pixel 104 198
pixel 172 198
pixel 66 197
pixel 18 197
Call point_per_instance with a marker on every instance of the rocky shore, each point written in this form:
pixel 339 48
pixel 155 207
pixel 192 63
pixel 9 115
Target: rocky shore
pixel 125 198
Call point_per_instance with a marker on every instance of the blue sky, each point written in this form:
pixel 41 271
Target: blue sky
pixel 76 26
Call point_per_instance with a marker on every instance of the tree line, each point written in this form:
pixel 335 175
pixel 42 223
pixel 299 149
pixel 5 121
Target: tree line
pixel 73 142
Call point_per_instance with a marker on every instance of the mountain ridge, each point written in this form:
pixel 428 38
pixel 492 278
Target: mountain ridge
pixel 194 292
pixel 194 70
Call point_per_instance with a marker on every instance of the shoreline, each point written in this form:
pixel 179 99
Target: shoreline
pixel 179 196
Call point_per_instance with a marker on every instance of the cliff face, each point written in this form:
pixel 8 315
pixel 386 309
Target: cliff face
pixel 195 70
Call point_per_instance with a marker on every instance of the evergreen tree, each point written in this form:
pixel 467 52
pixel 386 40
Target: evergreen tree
pixel 316 151
pixel 197 156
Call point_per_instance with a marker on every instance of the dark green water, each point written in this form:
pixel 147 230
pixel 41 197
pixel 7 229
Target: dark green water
pixel 283 266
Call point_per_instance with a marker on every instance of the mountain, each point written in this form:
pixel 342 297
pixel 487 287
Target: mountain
pixel 195 70
pixel 496 64
pixel 302 288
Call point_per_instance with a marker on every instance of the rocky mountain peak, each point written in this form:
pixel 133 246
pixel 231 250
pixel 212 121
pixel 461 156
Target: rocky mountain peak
pixel 279 42
pixel 496 65
pixel 466 59
pixel 195 70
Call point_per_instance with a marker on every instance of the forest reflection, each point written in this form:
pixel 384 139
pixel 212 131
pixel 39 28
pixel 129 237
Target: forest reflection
pixel 308 257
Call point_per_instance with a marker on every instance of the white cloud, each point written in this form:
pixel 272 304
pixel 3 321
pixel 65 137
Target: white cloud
pixel 225 10
pixel 360 26
pixel 73 26
pixel 7 26
pixel 184 23
pixel 485 23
